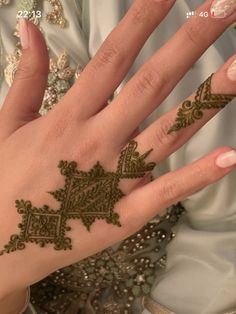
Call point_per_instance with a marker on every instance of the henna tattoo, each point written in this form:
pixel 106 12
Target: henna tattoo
pixel 191 111
pixel 86 196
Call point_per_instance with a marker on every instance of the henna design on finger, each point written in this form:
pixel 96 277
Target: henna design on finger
pixel 190 111
pixel 86 196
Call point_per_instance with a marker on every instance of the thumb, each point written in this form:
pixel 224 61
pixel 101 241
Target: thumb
pixel 25 96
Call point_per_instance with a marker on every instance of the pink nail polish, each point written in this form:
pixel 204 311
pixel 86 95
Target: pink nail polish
pixel 231 73
pixel 227 159
pixel 23 32
pixel 222 8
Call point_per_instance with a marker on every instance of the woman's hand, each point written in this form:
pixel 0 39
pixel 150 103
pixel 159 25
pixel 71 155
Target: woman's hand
pixel 100 193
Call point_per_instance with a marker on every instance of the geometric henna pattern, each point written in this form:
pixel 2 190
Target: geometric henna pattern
pixel 131 164
pixel 191 111
pixel 86 196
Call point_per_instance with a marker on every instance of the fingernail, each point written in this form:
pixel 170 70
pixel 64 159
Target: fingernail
pixel 231 73
pixel 23 32
pixel 226 160
pixel 222 8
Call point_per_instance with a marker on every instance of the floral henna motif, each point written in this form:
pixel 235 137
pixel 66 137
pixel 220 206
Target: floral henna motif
pixel 86 196
pixel 191 111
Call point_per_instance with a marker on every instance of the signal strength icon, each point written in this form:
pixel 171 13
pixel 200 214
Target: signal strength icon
pixel 189 14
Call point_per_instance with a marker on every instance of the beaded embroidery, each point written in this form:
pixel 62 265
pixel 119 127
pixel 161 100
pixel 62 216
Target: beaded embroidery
pixel 27 5
pixel 56 16
pixel 114 280
pixel 59 82
pixel 4 2
pixel 13 61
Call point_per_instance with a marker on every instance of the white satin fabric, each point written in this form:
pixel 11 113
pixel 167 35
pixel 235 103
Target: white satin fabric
pixel 201 270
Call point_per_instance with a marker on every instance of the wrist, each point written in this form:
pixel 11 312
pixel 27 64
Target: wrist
pixel 16 302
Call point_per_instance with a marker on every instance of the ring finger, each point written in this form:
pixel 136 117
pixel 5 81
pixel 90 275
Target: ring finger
pixel 173 129
pixel 156 78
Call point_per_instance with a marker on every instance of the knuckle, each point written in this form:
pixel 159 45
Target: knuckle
pixel 86 150
pixel 193 33
pixel 149 82
pixel 139 13
pixel 170 191
pixel 146 11
pixel 108 54
pixel 61 130
pixel 29 69
pixel 161 135
pixel 58 125
pixel 204 177
pixel 24 72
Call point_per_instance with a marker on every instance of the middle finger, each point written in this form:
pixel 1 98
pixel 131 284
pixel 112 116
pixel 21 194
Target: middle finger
pixel 106 70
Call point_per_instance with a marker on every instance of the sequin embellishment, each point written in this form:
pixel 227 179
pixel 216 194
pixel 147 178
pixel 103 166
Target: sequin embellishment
pixel 113 281
pixel 59 82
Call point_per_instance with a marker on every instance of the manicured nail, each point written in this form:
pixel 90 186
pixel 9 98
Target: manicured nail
pixel 231 73
pixel 226 160
pixel 222 8
pixel 23 32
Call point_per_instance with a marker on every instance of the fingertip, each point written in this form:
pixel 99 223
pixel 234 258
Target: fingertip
pixel 38 45
pixel 220 150
pixel 226 160
pixel 34 58
pixel 219 163
pixel 26 94
pixel 225 78
pixel 24 33
pixel 231 71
